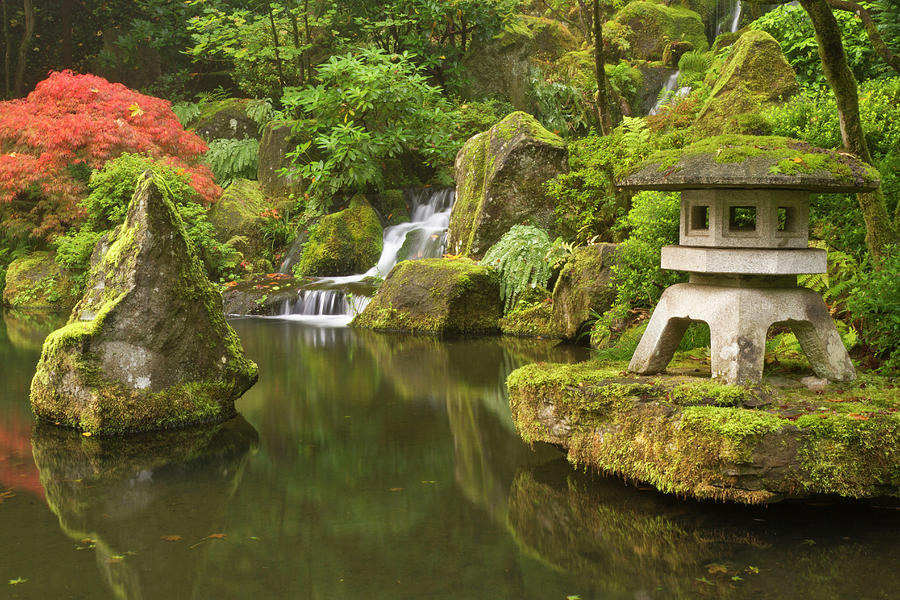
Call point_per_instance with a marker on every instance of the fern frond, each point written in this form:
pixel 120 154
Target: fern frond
pixel 519 257
pixel 231 159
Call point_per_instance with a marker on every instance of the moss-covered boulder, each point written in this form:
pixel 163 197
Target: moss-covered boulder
pixel 237 216
pixel 36 281
pixel 277 140
pixel 501 67
pixel 225 119
pixel 584 287
pixel 530 321
pixel 754 76
pixel 651 27
pixel 343 243
pixel 689 436
pixel 436 295
pixel 391 204
pixel 500 175
pixel 147 347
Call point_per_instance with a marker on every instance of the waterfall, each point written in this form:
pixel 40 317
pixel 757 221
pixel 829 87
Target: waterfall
pixel 668 91
pixel 332 301
pixel 731 20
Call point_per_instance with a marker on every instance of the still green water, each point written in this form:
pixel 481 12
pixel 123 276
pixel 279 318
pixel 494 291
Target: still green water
pixel 369 465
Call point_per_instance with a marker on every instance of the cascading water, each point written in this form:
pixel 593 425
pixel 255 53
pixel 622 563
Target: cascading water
pixel 331 301
pixel 670 90
pixel 731 19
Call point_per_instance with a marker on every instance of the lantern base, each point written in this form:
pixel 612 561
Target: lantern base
pixel 738 319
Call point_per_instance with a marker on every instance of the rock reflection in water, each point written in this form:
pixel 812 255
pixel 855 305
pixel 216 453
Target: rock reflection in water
pixel 125 496
pixel 623 542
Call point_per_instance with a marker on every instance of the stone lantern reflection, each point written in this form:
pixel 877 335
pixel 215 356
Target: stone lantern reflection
pixel 744 230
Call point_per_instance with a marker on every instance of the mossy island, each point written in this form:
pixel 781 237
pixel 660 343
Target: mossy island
pixel 690 436
pixel 147 348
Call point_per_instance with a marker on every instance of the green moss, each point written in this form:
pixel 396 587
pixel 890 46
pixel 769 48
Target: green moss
pixel 786 155
pixel 522 124
pixel 534 320
pixel 435 296
pixel 343 243
pixel 754 76
pixel 653 26
pixel 687 435
pixel 392 206
pixel 36 281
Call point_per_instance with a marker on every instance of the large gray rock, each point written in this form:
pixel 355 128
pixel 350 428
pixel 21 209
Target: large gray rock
pixel 148 347
pixel 500 175
pixel 584 287
pixel 436 295
pixel 225 119
pixel 277 140
pixel 501 67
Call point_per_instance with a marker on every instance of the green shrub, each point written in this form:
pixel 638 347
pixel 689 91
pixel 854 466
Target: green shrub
pixel 587 204
pixel 520 258
pixel 112 188
pixel 638 279
pixel 369 106
pixel 874 303
pixel 792 28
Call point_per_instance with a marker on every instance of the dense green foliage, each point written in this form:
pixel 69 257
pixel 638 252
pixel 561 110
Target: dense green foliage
pixel 521 258
pixel 367 107
pixel 111 190
pixel 874 302
pixel 792 28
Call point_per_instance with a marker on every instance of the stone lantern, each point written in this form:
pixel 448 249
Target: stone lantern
pixel 743 239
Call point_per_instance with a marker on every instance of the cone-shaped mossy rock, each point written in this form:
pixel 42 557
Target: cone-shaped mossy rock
pixel 148 347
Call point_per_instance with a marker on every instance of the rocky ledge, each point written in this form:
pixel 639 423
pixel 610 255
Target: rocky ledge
pixel 690 436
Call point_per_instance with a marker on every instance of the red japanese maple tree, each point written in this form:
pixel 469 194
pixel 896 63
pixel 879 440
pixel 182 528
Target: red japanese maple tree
pixel 71 124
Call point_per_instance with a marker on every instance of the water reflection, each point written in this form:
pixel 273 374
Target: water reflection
pixel 142 502
pixel 387 466
pixel 621 541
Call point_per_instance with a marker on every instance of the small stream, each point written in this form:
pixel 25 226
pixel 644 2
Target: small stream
pixel 333 304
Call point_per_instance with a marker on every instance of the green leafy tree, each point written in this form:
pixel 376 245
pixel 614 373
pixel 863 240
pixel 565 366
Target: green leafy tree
pixel 368 106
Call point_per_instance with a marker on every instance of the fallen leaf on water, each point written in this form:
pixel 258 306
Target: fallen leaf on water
pixel 87 541
pixel 396 489
pixel 171 538
pixel 17 581
pixel 716 568
pixel 86 433
pixel 217 536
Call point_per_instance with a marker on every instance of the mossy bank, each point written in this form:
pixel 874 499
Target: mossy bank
pixel 692 437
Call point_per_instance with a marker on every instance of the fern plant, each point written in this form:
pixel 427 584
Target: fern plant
pixel 262 111
pixel 520 257
pixel 231 159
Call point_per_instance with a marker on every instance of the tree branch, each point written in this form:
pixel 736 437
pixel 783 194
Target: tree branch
pixel 871 29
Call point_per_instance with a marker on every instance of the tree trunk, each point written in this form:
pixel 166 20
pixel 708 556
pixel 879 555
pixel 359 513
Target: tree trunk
pixel 880 230
pixel 603 113
pixel 19 81
pixel 275 41
pixel 7 48
pixel 65 12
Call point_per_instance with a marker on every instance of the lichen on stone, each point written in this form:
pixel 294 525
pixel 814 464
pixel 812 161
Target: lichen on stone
pixel 438 296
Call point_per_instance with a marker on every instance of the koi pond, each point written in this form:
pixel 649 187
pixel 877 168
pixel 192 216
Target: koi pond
pixel 368 465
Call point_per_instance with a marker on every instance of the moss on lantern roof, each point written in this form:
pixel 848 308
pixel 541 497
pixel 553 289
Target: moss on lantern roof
pixel 745 161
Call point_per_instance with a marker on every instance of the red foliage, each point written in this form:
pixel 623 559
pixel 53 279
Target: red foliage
pixel 78 122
